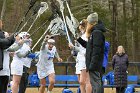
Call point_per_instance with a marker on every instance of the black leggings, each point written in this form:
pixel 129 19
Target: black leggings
pixel 120 89
pixel 3 84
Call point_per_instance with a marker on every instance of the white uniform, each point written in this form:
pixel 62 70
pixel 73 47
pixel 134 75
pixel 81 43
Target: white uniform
pixel 6 70
pixel 17 63
pixel 80 59
pixel 27 61
pixel 45 64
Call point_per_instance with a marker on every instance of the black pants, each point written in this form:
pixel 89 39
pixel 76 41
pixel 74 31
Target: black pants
pixel 24 80
pixel 3 84
pixel 96 82
pixel 120 89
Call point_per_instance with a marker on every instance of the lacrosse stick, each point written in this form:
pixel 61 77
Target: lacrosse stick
pixel 32 3
pixel 40 38
pixel 3 9
pixel 43 8
pixel 57 25
pixel 34 13
pixel 49 27
pixel 73 23
pixel 65 26
pixel 38 28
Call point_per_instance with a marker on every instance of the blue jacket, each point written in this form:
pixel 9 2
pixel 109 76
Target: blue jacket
pixel 106 51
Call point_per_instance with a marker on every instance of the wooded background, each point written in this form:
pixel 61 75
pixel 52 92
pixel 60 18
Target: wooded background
pixel 121 18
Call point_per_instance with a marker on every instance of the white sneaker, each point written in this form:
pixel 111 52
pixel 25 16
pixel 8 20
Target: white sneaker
pixel 49 92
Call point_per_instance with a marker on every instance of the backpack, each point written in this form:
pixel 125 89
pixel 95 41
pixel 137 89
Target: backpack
pixel 66 90
pixel 33 79
pixel 130 89
pixel 110 77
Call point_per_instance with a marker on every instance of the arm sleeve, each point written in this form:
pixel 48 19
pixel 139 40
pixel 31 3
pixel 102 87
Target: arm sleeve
pixel 14 47
pixel 43 45
pixel 56 54
pixel 7 42
pixel 82 42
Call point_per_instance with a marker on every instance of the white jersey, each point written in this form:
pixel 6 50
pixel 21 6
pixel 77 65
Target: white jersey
pixel 46 57
pixel 45 64
pixel 80 59
pixel 82 50
pixel 17 63
pixel 6 70
pixel 22 50
pixel 27 61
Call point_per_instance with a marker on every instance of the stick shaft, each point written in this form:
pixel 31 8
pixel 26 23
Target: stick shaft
pixel 3 9
pixel 32 24
pixel 40 39
pixel 38 28
pixel 25 23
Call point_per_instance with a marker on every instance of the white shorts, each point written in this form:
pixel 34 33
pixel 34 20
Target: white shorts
pixel 16 68
pixel 77 69
pixel 80 65
pixel 42 73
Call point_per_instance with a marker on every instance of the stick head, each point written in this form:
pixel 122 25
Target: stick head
pixel 43 8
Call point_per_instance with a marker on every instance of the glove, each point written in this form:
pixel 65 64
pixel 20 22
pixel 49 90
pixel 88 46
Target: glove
pixel 29 52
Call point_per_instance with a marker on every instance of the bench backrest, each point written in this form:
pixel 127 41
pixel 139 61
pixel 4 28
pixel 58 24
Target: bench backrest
pixel 34 80
pixel 71 78
pixel 132 78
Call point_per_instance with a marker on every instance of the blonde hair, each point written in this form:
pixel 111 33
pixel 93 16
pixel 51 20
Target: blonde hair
pixel 83 23
pixel 120 49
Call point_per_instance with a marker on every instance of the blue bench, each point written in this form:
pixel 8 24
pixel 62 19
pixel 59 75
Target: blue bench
pixel 65 81
pixel 60 81
pixel 72 81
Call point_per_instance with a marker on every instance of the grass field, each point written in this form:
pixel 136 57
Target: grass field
pixel 59 90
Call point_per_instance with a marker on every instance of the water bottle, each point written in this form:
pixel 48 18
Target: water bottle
pixel 105 81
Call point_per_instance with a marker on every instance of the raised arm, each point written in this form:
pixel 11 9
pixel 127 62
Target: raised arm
pixel 15 46
pixel 58 57
pixel 44 42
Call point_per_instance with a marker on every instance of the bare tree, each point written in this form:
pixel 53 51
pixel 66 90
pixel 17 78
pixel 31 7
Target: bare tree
pixel 114 26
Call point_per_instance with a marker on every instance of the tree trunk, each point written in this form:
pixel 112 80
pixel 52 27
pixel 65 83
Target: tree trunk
pixel 114 27
pixel 124 25
pixel 137 30
pixel 132 28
